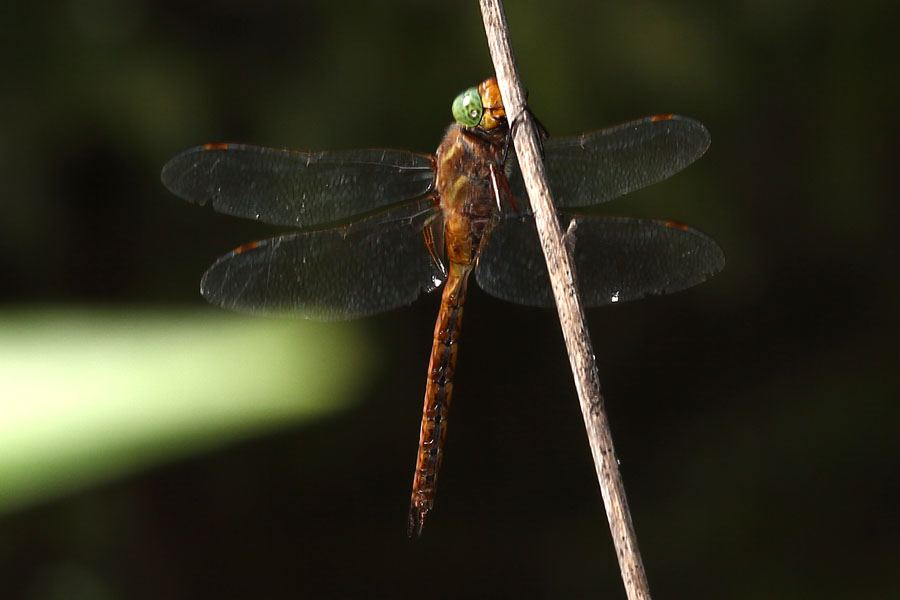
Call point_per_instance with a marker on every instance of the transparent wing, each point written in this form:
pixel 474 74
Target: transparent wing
pixel 617 259
pixel 298 189
pixel 329 274
pixel 592 168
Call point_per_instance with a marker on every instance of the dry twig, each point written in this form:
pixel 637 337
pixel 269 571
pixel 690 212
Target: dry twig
pixel 568 302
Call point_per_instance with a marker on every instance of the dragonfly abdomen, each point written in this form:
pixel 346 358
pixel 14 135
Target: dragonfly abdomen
pixel 438 393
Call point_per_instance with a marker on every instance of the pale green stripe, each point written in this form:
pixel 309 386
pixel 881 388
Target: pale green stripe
pixel 86 396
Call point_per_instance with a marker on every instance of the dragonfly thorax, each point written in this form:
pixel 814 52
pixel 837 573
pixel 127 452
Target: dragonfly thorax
pixel 467 182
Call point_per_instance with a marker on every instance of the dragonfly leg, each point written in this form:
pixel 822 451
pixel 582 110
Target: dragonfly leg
pixel 495 187
pixel 501 189
pixel 428 232
pixel 516 121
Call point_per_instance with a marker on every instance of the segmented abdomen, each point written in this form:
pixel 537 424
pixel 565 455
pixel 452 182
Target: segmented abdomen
pixel 438 392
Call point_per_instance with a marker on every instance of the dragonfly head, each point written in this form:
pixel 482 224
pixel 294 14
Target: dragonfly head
pixel 480 106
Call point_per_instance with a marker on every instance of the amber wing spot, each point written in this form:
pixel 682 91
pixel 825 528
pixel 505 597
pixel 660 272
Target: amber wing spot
pixel 677 225
pixel 246 247
pixel 666 117
pixel 216 146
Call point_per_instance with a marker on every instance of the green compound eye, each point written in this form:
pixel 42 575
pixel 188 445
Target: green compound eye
pixel 467 108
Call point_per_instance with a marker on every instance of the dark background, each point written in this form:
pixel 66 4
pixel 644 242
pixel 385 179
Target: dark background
pixel 755 416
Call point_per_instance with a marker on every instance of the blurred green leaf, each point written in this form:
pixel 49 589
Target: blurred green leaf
pixel 86 396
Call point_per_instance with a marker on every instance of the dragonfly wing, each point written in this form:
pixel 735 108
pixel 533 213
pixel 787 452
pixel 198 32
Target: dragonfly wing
pixel 327 274
pixel 592 168
pixel 617 259
pixel 299 189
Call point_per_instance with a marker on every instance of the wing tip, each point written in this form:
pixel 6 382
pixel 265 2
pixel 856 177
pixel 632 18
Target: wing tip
pixel 179 170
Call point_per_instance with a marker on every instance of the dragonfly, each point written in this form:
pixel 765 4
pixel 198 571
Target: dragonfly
pixel 373 229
